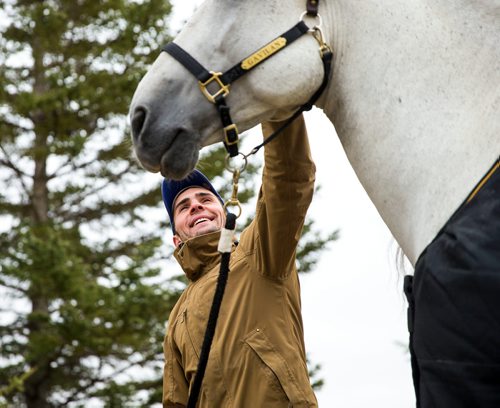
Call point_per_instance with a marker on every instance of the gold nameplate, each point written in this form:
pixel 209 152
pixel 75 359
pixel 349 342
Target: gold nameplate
pixel 263 53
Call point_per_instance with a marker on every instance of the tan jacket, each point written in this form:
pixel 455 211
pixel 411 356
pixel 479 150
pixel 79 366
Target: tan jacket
pixel 257 358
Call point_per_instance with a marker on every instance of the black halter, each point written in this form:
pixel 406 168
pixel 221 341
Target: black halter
pixel 222 81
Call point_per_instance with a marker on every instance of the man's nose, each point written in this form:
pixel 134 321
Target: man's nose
pixel 195 206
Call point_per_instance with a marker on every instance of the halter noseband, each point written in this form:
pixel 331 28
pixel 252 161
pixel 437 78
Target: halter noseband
pixel 222 81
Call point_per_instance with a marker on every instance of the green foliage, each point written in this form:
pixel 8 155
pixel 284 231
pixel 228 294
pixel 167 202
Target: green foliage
pixel 317 383
pixel 83 297
pixel 86 304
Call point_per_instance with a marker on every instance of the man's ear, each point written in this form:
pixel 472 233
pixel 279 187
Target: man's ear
pixel 177 241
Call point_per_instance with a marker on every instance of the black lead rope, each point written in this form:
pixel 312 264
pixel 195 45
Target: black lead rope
pixel 214 310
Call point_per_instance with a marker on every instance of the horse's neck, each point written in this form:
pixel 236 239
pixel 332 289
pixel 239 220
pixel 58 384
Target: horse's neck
pixel 415 100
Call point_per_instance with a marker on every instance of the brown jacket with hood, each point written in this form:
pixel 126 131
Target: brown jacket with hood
pixel 257 357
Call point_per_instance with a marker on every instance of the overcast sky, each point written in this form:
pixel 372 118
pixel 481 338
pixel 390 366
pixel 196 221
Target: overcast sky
pixel 353 305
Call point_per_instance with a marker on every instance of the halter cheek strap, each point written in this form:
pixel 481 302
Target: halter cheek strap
pixel 312 7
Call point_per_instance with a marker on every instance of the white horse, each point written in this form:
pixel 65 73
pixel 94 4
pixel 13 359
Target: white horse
pixel 414 96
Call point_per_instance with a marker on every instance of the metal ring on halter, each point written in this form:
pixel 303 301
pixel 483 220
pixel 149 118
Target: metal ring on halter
pixel 317 17
pixel 233 169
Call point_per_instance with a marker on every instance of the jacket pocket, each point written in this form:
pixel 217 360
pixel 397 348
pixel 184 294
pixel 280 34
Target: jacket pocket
pixel 189 334
pixel 275 362
pixel 186 343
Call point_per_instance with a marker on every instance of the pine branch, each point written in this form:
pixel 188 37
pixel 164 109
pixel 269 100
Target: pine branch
pixel 14 210
pixel 6 162
pixel 111 179
pixel 92 382
pixel 16 383
pixel 74 167
pixel 104 208
pixel 12 287
pixel 70 161
pixel 19 173
pixel 9 124
pixel 14 329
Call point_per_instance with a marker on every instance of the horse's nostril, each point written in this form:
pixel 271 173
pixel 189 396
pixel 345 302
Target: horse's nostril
pixel 138 119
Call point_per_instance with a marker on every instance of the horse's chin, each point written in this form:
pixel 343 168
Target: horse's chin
pixel 179 160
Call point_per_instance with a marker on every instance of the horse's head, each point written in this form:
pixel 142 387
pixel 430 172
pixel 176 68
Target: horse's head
pixel 171 118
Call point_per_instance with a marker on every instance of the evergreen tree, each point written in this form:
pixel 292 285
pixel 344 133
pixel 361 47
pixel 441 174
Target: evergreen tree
pixel 84 296
pixel 75 256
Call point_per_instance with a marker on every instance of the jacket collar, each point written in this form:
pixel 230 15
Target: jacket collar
pixel 198 255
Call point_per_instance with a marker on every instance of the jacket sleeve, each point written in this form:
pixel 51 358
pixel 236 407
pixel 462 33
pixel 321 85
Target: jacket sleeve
pixel 285 195
pixel 175 385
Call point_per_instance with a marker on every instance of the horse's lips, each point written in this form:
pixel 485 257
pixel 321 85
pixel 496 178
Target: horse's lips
pixel 168 147
pixel 155 163
pixel 149 162
pixel 164 166
pixel 180 157
pixel 151 169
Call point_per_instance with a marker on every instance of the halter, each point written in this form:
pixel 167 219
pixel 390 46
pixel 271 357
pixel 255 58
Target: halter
pixel 222 81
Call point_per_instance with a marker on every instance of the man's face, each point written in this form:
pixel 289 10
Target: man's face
pixel 197 211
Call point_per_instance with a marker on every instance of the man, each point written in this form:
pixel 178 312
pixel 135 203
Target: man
pixel 257 357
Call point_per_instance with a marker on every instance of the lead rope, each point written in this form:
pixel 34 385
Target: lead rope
pixel 225 247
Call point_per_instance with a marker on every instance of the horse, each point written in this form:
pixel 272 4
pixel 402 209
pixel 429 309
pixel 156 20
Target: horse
pixel 413 95
pixel 410 96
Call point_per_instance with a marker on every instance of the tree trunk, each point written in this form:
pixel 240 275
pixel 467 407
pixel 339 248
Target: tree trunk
pixel 36 390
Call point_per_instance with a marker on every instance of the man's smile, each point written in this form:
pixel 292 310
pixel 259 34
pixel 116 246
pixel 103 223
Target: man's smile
pixel 200 220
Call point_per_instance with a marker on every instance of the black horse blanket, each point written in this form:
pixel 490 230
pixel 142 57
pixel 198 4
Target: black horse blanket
pixel 454 307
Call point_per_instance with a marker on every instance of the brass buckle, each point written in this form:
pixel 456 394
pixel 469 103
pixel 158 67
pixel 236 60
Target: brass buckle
pixel 227 129
pixel 224 89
